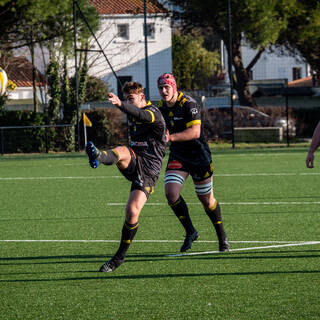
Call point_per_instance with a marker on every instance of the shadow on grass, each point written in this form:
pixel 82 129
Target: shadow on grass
pixel 36 156
pixel 150 257
pixel 165 276
pixel 273 199
pixel 105 217
pixel 162 256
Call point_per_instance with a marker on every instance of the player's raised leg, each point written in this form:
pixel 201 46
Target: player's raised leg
pixel 119 155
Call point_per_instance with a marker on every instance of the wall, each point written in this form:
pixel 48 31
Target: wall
pixel 275 65
pixel 127 57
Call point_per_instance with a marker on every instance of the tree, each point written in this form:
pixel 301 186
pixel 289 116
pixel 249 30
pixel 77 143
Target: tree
pixel 44 21
pixel 257 22
pixel 20 17
pixel 96 89
pixel 303 33
pixel 54 92
pixel 193 66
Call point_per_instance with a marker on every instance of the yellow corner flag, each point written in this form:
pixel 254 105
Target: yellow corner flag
pixel 86 121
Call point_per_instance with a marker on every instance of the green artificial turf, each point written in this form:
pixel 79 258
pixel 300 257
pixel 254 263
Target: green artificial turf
pixel 72 216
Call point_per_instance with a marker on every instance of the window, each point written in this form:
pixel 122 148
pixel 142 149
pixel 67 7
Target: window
pixel 123 31
pixel 250 74
pixel 123 80
pixel 151 30
pixel 296 73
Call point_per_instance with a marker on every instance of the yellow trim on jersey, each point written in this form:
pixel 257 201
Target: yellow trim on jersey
pixel 148 103
pixel 193 122
pixel 116 153
pixel 181 103
pixel 152 116
pixel 160 104
pixel 180 96
pixel 150 190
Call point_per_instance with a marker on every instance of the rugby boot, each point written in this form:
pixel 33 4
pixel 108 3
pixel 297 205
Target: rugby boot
pixel 224 245
pixel 93 153
pixel 188 241
pixel 111 265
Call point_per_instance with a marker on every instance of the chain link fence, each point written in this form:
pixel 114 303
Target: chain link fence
pixel 276 119
pixel 109 128
pixel 27 139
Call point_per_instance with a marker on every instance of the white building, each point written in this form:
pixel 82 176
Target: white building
pixel 19 71
pixel 121 35
pixel 274 64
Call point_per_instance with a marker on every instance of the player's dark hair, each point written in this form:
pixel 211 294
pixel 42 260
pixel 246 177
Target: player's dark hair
pixel 132 86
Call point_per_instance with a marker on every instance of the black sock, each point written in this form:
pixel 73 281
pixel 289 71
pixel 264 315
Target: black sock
pixel 214 214
pixel 108 157
pixel 180 209
pixel 128 233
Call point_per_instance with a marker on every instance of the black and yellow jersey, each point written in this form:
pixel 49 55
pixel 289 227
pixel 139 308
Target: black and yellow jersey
pixel 147 134
pixel 185 113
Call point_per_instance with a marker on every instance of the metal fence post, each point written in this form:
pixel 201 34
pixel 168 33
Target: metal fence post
pixel 2 141
pixel 47 140
pixel 287 118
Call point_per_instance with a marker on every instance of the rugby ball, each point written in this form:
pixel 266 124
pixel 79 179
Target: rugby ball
pixel 3 81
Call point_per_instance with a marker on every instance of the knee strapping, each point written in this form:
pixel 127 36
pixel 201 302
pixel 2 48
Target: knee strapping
pixel 202 189
pixel 171 177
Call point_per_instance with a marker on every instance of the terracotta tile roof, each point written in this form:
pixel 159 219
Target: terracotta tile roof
pixel 19 71
pixel 126 6
pixel 303 82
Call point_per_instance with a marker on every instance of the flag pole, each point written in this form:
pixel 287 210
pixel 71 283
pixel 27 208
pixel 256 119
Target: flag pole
pixel 86 123
pixel 85 134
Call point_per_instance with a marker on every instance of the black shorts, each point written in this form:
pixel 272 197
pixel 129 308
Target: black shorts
pixel 139 178
pixel 198 173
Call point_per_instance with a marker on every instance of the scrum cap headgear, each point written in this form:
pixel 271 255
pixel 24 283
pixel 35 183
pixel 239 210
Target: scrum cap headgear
pixel 168 78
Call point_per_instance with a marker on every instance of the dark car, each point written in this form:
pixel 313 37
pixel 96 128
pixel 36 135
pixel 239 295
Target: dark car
pixel 217 120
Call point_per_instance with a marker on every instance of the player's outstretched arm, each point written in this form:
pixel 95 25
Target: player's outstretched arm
pixel 145 115
pixel 114 99
pixel 315 143
pixel 141 114
pixel 309 160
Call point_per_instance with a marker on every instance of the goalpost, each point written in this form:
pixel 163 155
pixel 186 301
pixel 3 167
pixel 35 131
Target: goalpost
pixel 76 8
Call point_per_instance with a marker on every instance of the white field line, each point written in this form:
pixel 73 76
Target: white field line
pixel 286 244
pixel 58 178
pixel 255 154
pixel 120 176
pixel 272 203
pixel 246 249
pixel 226 203
pixel 266 174
pixel 148 241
